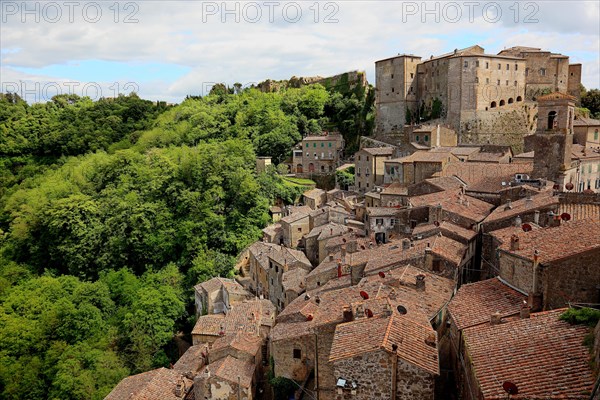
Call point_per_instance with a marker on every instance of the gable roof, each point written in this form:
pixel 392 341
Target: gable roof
pixel 556 243
pixel 378 151
pixel 455 202
pixel 233 370
pixel 372 334
pixel 247 316
pixel 543 356
pixel 474 303
pixel 244 342
pixel 158 384
pixel 542 200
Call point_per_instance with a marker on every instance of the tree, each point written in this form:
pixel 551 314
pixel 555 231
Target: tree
pixel 591 101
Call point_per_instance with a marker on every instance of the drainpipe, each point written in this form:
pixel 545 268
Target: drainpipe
pixel 394 370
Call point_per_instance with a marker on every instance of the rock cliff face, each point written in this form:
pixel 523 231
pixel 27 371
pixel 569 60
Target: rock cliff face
pixel 344 81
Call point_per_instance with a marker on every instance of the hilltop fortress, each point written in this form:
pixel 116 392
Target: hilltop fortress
pixel 485 98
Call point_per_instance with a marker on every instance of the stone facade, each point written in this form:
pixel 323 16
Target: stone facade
pixel 318 154
pixel 369 167
pixel 372 373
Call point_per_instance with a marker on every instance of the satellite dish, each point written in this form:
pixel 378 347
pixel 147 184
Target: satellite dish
pixel 510 388
pixel 565 216
pixel 402 310
pixel 569 186
pixel 556 187
pixel 369 313
pixel 526 227
pixel 436 223
pixel 382 274
pixel 309 317
pixel 364 295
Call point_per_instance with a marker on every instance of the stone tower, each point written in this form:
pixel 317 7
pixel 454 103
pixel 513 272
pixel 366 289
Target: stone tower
pixel 553 138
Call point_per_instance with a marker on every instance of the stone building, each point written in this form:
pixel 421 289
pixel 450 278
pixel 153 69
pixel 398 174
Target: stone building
pixel 217 295
pixel 587 132
pixel 318 154
pixel 158 384
pixel 369 167
pixel 417 167
pixel 302 339
pixel 374 358
pixel 526 352
pixel 295 225
pixel 478 95
pixel 555 266
pixel 315 198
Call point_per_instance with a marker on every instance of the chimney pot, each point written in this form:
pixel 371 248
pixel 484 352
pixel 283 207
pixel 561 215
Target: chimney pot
pixel 514 242
pixel 496 318
pixel 420 282
pixel 525 311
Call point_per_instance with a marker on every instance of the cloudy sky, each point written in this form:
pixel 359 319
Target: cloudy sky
pixel 167 49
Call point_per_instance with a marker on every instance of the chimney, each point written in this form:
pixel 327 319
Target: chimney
pixel 331 257
pixel 518 221
pixel 405 244
pixel 514 242
pixel 343 253
pixel 348 316
pixel 339 270
pixel 508 205
pixel 356 273
pixel 351 247
pixel 180 388
pixel 528 201
pixel 420 283
pixel 496 318
pixel 536 217
pixel 525 311
pixel 428 258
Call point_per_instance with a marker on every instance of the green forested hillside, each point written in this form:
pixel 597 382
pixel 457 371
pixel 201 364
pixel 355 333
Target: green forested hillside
pixel 111 211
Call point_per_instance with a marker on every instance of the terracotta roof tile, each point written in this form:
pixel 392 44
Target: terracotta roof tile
pixel 158 384
pixel 372 334
pixel 587 212
pixel 475 174
pixel 379 151
pixel 474 303
pixel 568 239
pixel 543 356
pixel 246 316
pixel 294 280
pixel 244 342
pixel 452 201
pixel 543 200
pixel 192 360
pixel 233 370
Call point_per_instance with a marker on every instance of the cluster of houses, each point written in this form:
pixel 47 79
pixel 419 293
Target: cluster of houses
pixel 442 274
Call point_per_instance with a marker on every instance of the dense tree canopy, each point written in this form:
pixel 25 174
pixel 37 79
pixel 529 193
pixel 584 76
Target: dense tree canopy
pixel 110 212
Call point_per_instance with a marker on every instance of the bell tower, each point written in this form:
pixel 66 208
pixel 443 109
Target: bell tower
pixel 553 137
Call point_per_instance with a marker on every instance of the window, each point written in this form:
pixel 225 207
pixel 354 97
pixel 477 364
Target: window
pixel 379 221
pixel 499 66
pixel 551 120
pixel 590 168
pixel 315 155
pixel 493 105
pixel 526 71
pixel 596 134
pixel 329 144
pixel 359 160
pixel 367 159
pixel 392 76
pixel 322 144
pixel 412 75
pixel 436 266
pixel 477 64
pixel 487 80
pixel 314 145
pixel 299 229
pixel 417 138
pixel 276 268
pixel 516 67
pixel 297 353
pixel 426 138
pixel 542 71
pixel 476 79
pixel 392 90
pixel 515 83
pixel 466 64
pixel 507 67
pixel 487 65
pixel 501 103
pixel 498 83
pixel 306 144
pixel 307 154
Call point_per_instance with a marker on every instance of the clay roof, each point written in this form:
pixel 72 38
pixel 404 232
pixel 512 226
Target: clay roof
pixel 244 342
pixel 158 384
pixel 458 150
pixel 192 360
pixel 328 230
pixel 329 137
pixel 474 303
pixel 272 229
pixel 378 151
pixel 448 227
pixel 372 334
pixel 294 280
pixel 568 239
pixel 588 212
pixel 314 193
pixel 214 284
pixel 395 189
pixel 263 252
pixel 448 249
pixel 543 356
pixel 397 287
pixel 382 211
pixel 585 121
pixel 429 156
pixel 297 213
pixel 543 200
pixel 445 183
pixel 246 316
pixel 556 95
pixel 452 201
pixel 233 370
pixel 476 173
